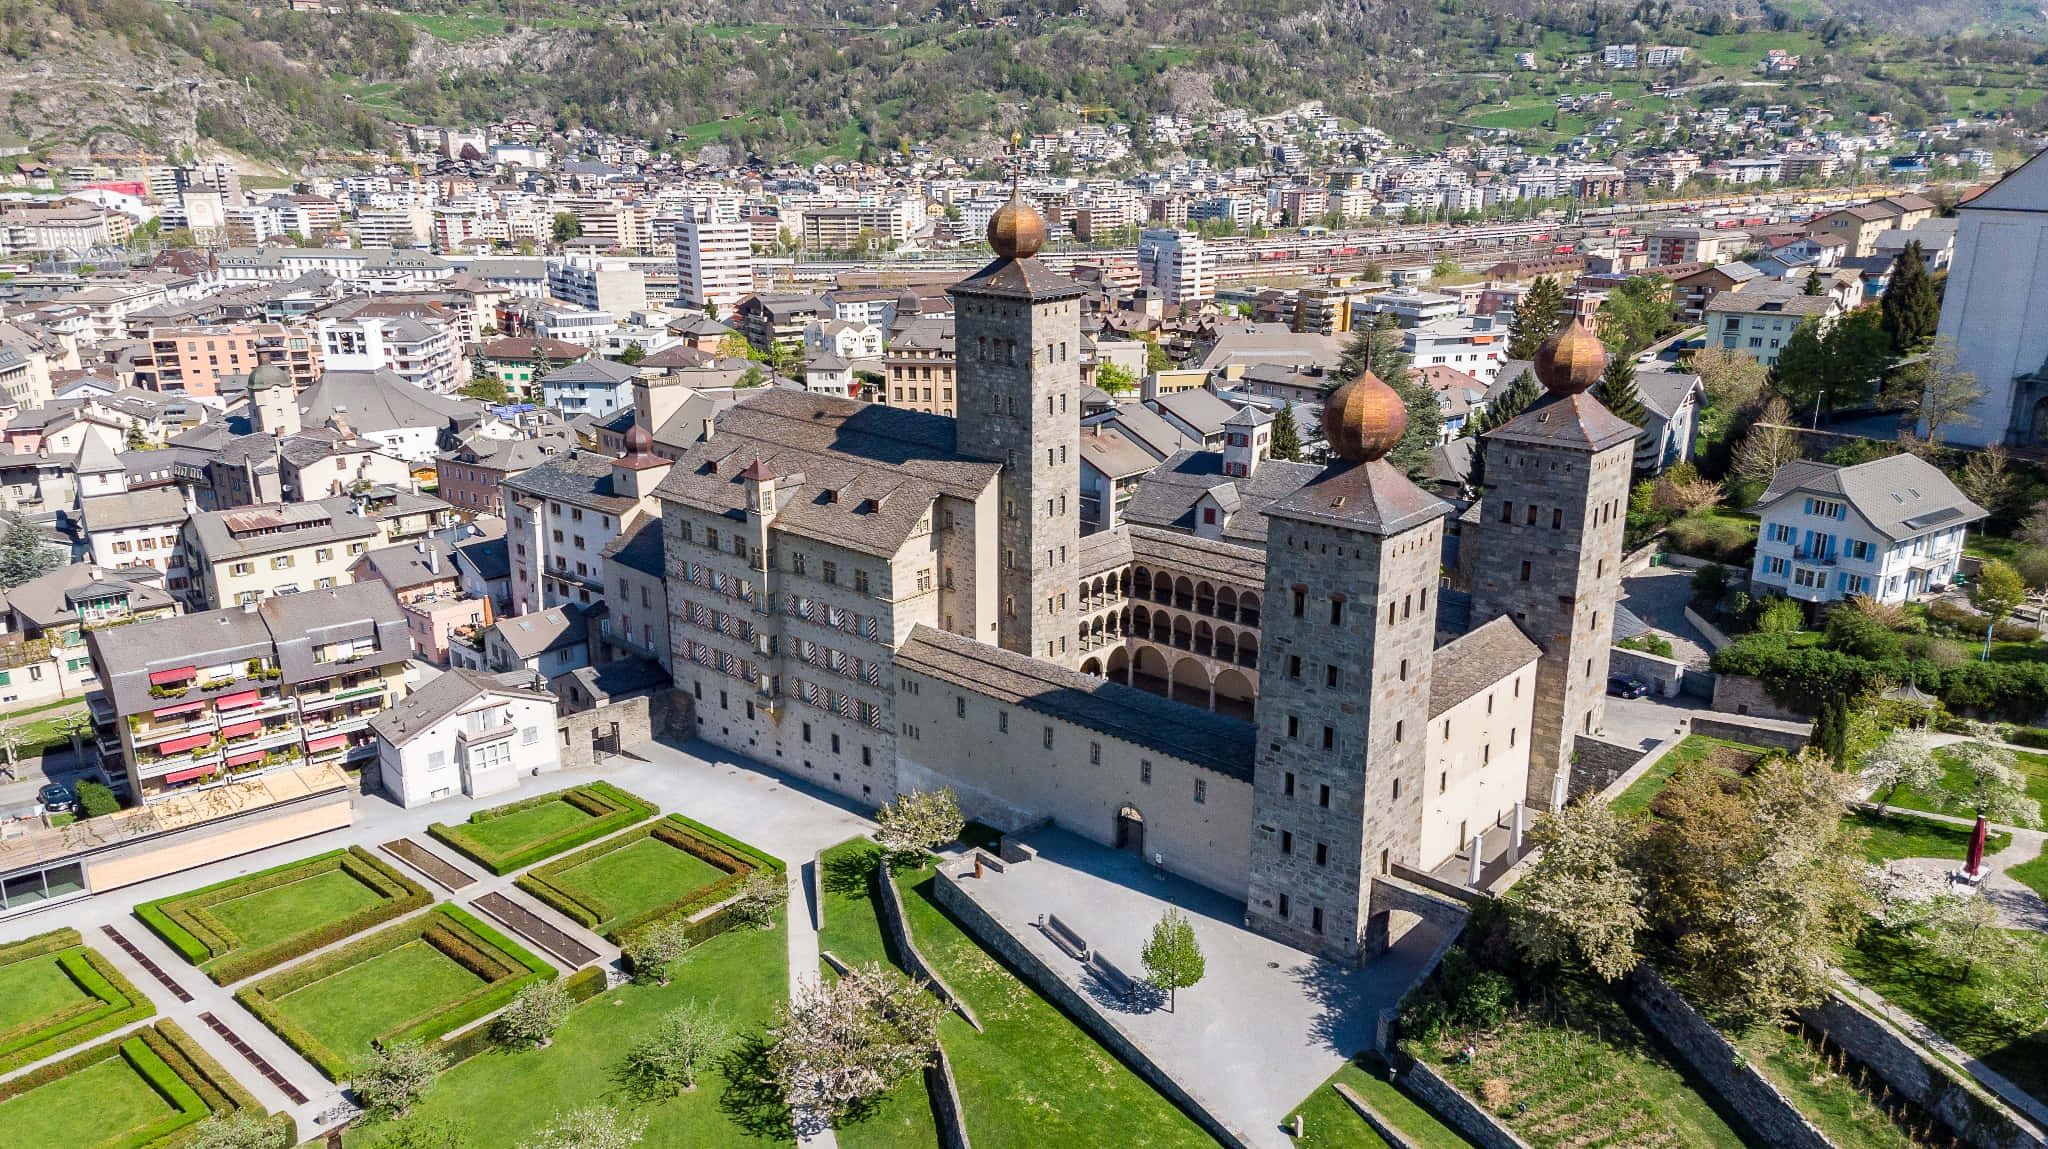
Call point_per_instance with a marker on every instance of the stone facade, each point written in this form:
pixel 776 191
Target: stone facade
pixel 1020 377
pixel 1743 695
pixel 1547 554
pixel 1338 793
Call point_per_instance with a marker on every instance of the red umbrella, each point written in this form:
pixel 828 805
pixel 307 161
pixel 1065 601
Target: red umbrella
pixel 1976 862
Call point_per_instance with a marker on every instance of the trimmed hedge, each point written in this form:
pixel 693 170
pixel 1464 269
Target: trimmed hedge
pixel 115 1003
pixel 581 986
pixel 610 809
pixel 1801 677
pixel 181 1094
pixel 505 966
pixel 183 922
pixel 39 945
pixel 734 857
pixel 214 1084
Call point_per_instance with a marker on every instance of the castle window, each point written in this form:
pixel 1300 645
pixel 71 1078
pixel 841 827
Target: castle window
pixel 1407 605
pixel 1530 518
pixel 1397 789
pixel 1293 731
pixel 1322 854
pixel 1399 728
pixel 835 739
pixel 1002 721
pixel 1145 771
pixel 1330 675
pixel 1283 905
pixel 807 732
pixel 1486 754
pixel 1048 738
pixel 1294 666
pixel 1095 753
pixel 1286 842
pixel 1525 570
pixel 1557 519
pixel 1201 791
pixel 1323 798
pixel 1507 512
pixel 1329 738
pixel 1489 703
pixel 1443 781
pixel 1315 919
pixel 1404 670
pixel 959 708
pixel 1336 612
pixel 1287 784
pixel 1300 602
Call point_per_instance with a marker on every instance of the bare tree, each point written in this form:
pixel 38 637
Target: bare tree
pixel 651 951
pixel 666 1062
pixel 391 1079
pixel 591 1127
pixel 535 1015
pixel 1986 479
pixel 1938 389
pixel 1770 444
pixel 761 893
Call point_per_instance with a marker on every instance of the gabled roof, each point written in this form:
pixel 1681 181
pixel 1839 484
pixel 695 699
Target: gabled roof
pixel 1373 497
pixel 1567 421
pixel 1476 660
pixel 372 401
pixel 557 627
pixel 449 692
pixel 1166 497
pixel 2025 188
pixel 1197 407
pixel 1900 496
pixel 606 372
pixel 1664 392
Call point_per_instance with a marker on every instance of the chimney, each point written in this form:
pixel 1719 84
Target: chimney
pixel 433 560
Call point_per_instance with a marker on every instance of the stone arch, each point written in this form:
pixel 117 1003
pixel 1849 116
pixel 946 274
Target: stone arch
pixel 1141 621
pixel 1183 634
pixel 1141 583
pixel 1248 650
pixel 1118 667
pixel 1205 598
pixel 1205 639
pixel 1162 586
pixel 1162 628
pixel 1191 684
pixel 1184 593
pixel 1248 609
pixel 1226 604
pixel 1226 644
pixel 1234 695
pixel 1092 667
pixel 1149 670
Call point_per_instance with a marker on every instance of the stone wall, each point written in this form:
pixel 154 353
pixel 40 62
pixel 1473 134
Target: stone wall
pixel 947 1112
pixel 1741 694
pixel 1756 732
pixel 1772 1116
pixel 1976 1118
pixel 1033 969
pixel 897 930
pixel 1373 1117
pixel 1597 762
pixel 1715 637
pixel 665 714
pixel 1664 676
pixel 1460 1112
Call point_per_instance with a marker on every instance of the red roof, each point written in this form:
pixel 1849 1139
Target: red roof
pixel 161 677
pixel 188 775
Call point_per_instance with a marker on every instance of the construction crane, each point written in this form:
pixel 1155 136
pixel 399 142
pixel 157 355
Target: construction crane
pixel 1088 109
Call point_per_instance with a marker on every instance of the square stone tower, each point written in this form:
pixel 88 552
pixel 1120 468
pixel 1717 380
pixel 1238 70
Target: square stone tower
pixel 1344 675
pixel 1548 547
pixel 1017 332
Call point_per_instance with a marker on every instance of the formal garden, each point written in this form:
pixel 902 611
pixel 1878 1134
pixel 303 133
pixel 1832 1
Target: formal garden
pixel 141 1091
pixel 671 869
pixel 415 981
pixel 56 992
pixel 243 926
pixel 519 834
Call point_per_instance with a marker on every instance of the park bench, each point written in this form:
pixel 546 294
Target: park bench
pixel 1063 936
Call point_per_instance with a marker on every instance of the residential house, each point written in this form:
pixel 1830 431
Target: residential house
pixel 566 511
pixel 49 617
pixel 519 363
pixel 592 387
pixel 546 642
pixel 634 623
pixel 470 477
pixel 1891 529
pixel 139 528
pixel 428 584
pixel 467 732
pixel 1673 401
pixel 237 557
pixel 1757 323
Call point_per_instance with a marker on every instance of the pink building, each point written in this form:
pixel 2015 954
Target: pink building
pixel 424 579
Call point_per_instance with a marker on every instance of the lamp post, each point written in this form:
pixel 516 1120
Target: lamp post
pixel 1815 425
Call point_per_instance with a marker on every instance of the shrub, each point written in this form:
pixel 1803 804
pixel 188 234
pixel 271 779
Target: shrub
pixel 96 800
pixel 610 808
pixel 112 1002
pixel 1648 644
pixel 1719 538
pixel 1853 631
pixel 1710 584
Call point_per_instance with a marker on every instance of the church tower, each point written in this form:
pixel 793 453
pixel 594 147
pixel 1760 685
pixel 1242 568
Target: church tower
pixel 1344 676
pixel 1548 545
pixel 1017 335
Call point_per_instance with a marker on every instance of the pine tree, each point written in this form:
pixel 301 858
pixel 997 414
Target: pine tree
pixel 23 554
pixel 1520 395
pixel 1286 436
pixel 1912 309
pixel 1425 426
pixel 1617 391
pixel 1814 286
pixel 1537 317
pixel 1376 349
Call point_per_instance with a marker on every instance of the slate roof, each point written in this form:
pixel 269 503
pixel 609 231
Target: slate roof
pixel 1794 304
pixel 1183 553
pixel 160 506
pixel 1664 392
pixel 1198 408
pixel 1209 740
pixel 1374 497
pixel 605 372
pixel 2025 188
pixel 48 601
pixel 639 549
pixel 449 692
pixel 1110 451
pixel 1105 551
pixel 379 401
pixel 1018 279
pixel 901 460
pixel 580 477
pixel 1149 429
pixel 285 526
pixel 1476 660
pixel 406 565
pixel 1577 421
pixel 1166 497
pixel 1901 496
pixel 528 635
pixel 492 558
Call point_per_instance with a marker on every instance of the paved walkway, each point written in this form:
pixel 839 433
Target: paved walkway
pixel 1264 1028
pixel 2019 906
pixel 1659 596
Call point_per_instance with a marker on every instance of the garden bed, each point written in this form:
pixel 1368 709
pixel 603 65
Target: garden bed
pixel 241 927
pixel 1909 836
pixel 514 836
pixel 671 869
pixel 1956 781
pixel 56 992
pixel 1736 758
pixel 142 1091
pixel 1835 1095
pixel 418 980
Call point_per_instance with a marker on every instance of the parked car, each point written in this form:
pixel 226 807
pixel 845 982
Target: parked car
pixel 56 799
pixel 1621 686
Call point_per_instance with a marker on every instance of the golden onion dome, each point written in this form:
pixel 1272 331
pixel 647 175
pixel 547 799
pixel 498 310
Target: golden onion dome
pixel 1016 230
pixel 1571 360
pixel 1364 419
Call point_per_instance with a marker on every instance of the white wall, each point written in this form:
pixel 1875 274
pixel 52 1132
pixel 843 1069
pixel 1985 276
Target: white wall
pixel 412 777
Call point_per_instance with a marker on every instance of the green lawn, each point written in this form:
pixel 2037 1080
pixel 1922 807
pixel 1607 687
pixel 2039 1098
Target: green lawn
pixel 1956 780
pixel 513 831
pixel 633 879
pixel 1935 991
pixel 34 989
pixel 83 1110
pixel 854 934
pixel 1586 1074
pixel 356 1004
pixel 279 912
pixel 1693 748
pixel 1906 836
pixel 2033 875
pixel 1035 1078
pixel 1329 1122
pixel 503 1095
pixel 1831 1101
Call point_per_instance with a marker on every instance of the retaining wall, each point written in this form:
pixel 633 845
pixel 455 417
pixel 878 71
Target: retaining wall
pixel 1742 694
pixel 1597 763
pixel 1966 1108
pixel 950 1116
pixel 1374 1118
pixel 1460 1112
pixel 1756 732
pixel 1033 969
pixel 1768 1112
pixel 1715 636
pixel 667 713
pixel 1664 676
pixel 897 930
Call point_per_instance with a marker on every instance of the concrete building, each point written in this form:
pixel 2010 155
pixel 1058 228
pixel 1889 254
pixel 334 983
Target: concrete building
pixel 714 263
pixel 564 512
pixel 613 286
pixel 1891 529
pixel 244 556
pixel 470 478
pixel 919 367
pixel 1177 263
pixel 592 387
pixel 422 352
pixel 192 360
pixel 139 528
pixel 428 585
pixel 1757 322
pixel 467 733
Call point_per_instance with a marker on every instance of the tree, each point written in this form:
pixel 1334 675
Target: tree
pixel 752 377
pixel 1617 391
pixel 534 1015
pixel 1116 379
pixel 1286 436
pixel 1770 444
pixel 911 824
pixel 834 1047
pixel 1733 380
pixel 1375 348
pixel 95 799
pixel 1987 480
pixel 392 1078
pixel 1425 425
pixel 1937 388
pixel 1802 368
pixel 591 1127
pixel 136 440
pixel 1961 930
pixel 239 1130
pixel 1998 591
pixel 1996 790
pixel 665 1063
pixel 651 950
pixel 488 388
pixel 1155 356
pixel 1637 314
pixel 1581 902
pixel 1537 317
pixel 23 554
pixel 733 345
pixel 566 227
pixel 1519 397
pixel 1172 956
pixel 1814 284
pixel 1911 308
pixel 633 354
pixel 761 893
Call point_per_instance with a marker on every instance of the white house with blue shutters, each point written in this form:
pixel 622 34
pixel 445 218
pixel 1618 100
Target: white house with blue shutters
pixel 1891 529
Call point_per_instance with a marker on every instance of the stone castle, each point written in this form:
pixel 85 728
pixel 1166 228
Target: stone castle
pixel 1260 683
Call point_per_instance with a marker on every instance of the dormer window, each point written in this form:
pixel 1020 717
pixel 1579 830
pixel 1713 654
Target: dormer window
pixel 831 495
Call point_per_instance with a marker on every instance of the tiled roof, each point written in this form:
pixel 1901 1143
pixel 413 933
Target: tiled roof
pixel 579 477
pixel 1476 660
pixel 1374 497
pixel 1901 496
pixel 1019 279
pixel 1566 420
pixel 1166 497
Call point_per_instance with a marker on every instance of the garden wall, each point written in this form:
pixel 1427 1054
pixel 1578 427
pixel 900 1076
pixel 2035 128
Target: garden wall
pixel 667 713
pixel 1973 1116
pixel 1028 965
pixel 1742 694
pixel 947 1111
pixel 1457 1110
pixel 1768 732
pixel 1596 763
pixel 1664 676
pixel 1768 1112
pixel 1716 638
pixel 890 899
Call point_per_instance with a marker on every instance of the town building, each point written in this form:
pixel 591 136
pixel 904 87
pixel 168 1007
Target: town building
pixel 564 512
pixel 1995 310
pixel 243 556
pixel 714 263
pixel 468 733
pixel 1178 264
pixel 1891 529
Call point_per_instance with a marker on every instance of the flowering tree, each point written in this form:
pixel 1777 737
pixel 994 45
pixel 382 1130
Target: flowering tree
pixel 834 1046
